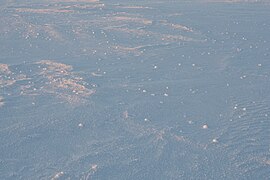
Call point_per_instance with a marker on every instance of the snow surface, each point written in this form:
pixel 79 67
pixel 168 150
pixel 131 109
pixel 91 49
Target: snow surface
pixel 116 89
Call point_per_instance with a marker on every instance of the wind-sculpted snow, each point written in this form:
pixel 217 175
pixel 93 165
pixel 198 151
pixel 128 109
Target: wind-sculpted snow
pixel 45 77
pixel 76 17
pixel 248 149
pixel 7 77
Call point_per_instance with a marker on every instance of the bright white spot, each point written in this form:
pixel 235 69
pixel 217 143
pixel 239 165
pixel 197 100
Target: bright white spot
pixel 165 94
pixel 238 49
pixel 243 77
pixel 259 65
pixel 215 140
pixel 94 167
pixel 205 126
pixel 244 109
pixel 80 125
pixel 58 175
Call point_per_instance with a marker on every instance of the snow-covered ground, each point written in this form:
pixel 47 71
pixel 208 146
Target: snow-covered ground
pixel 113 89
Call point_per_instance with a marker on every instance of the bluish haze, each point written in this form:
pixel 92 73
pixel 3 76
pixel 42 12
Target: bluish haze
pixel 115 89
